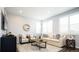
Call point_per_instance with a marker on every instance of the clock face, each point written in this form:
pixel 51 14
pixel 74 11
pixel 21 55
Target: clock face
pixel 26 27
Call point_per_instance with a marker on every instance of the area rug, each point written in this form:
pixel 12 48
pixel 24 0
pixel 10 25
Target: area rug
pixel 29 48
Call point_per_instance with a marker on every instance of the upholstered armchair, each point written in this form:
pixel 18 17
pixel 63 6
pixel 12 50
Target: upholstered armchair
pixel 23 39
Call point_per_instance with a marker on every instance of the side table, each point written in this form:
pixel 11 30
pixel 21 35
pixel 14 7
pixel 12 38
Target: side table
pixel 70 43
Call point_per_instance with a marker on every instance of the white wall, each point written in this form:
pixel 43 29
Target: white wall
pixel 15 25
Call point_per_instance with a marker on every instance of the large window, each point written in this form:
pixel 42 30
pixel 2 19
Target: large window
pixel 74 23
pixel 47 27
pixel 70 24
pixel 44 27
pixel 64 24
pixel 38 27
pixel 50 26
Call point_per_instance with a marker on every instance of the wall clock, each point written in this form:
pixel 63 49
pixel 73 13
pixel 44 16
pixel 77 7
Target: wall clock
pixel 26 27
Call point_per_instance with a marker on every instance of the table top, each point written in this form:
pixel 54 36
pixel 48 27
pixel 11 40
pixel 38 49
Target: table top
pixel 39 40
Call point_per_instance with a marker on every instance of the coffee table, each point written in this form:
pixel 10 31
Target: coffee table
pixel 39 43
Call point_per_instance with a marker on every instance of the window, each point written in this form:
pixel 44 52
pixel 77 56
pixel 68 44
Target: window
pixel 64 24
pixel 70 24
pixel 74 24
pixel 38 27
pixel 47 27
pixel 44 29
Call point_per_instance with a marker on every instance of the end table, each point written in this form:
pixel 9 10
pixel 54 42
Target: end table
pixel 70 43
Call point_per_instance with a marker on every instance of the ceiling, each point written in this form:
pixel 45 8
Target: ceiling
pixel 39 13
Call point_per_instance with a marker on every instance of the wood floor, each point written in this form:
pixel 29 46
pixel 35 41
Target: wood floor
pixel 69 50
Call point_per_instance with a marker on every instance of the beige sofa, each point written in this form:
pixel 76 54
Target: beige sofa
pixel 55 42
pixel 50 40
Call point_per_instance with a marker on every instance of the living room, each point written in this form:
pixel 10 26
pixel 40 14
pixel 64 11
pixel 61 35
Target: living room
pixel 42 29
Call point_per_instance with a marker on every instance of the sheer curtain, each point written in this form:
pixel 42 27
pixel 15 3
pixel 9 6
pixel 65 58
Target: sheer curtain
pixel 74 24
pixel 38 27
pixel 70 24
pixel 48 27
pixel 63 24
pixel 44 27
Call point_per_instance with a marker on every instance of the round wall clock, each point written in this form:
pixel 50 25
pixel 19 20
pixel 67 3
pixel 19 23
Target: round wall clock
pixel 26 27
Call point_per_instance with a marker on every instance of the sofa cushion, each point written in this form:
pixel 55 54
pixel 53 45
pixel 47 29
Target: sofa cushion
pixel 56 40
pixel 45 38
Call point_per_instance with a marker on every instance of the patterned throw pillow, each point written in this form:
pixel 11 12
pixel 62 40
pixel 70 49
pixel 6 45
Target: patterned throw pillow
pixel 58 36
pixel 45 35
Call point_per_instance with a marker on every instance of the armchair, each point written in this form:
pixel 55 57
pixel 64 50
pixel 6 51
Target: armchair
pixel 23 39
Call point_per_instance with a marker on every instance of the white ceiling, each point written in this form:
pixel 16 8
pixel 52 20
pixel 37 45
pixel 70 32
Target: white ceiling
pixel 39 13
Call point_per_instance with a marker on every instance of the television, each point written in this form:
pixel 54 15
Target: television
pixel 2 21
